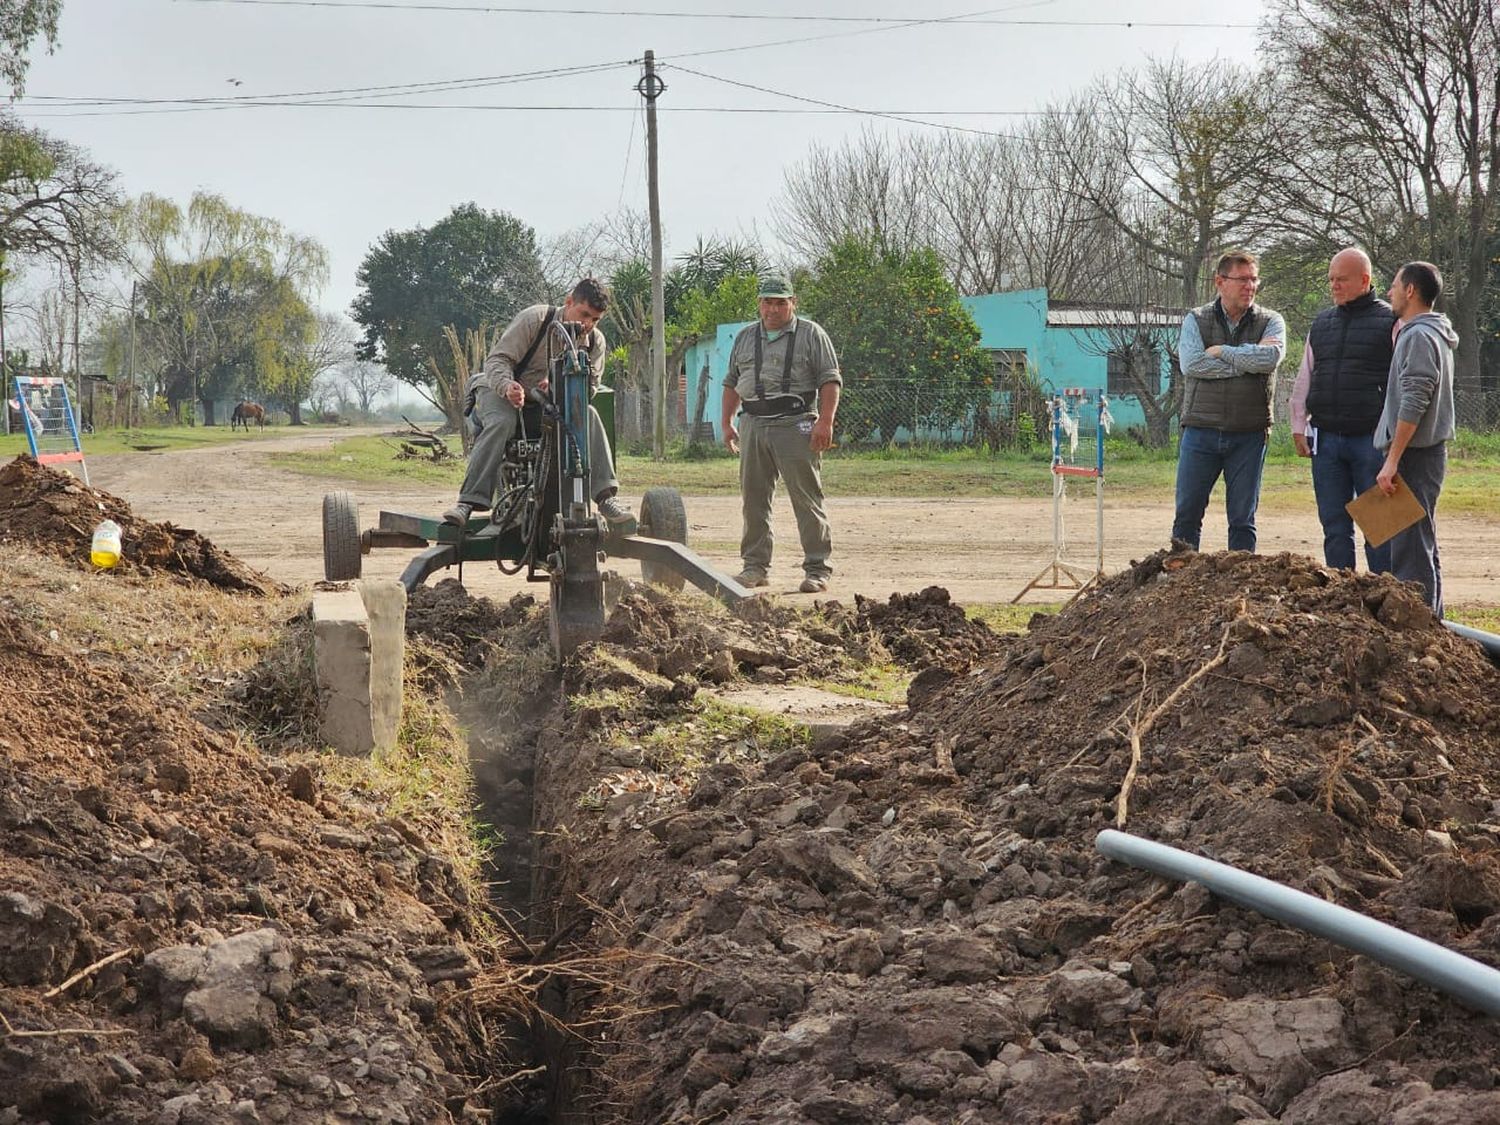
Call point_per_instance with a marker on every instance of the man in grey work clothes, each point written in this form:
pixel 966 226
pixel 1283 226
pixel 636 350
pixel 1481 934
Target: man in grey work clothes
pixel 519 362
pixel 784 375
pixel 1417 422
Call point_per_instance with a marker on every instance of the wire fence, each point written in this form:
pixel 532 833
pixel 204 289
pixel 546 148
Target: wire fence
pixel 1477 401
pixel 893 412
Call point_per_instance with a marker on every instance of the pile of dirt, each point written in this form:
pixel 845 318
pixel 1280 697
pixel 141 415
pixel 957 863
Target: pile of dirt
pixel 926 629
pixel 192 932
pixel 56 512
pixel 910 922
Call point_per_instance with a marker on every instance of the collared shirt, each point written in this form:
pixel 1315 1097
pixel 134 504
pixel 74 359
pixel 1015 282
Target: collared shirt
pixel 814 361
pixel 1233 359
pixel 500 364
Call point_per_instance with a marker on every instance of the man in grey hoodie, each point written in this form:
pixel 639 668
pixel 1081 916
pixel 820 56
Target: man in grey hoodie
pixel 1418 420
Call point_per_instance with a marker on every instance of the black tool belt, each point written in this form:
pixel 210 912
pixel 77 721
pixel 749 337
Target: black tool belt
pixel 775 406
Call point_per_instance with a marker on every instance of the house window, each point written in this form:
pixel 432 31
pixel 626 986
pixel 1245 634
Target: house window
pixel 1146 361
pixel 1010 365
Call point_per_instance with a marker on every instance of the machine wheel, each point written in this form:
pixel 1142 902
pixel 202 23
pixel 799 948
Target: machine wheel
pixel 341 546
pixel 663 517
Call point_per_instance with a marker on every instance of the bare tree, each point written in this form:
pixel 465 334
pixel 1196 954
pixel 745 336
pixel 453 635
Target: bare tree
pixel 54 201
pixel 595 249
pixel 1134 328
pixel 324 394
pixel 1196 147
pixel 871 187
pixel 365 382
pixel 1401 119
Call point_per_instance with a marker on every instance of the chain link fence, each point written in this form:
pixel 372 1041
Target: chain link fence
pixel 1477 400
pixel 1012 414
pixel 882 412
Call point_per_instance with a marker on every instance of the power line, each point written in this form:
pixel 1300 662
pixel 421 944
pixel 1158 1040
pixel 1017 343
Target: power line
pixel 440 86
pixel 473 83
pixel 496 9
pixel 903 115
pixel 836 106
pixel 897 25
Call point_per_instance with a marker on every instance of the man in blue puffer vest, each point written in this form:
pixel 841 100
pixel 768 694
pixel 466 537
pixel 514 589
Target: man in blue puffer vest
pixel 1337 399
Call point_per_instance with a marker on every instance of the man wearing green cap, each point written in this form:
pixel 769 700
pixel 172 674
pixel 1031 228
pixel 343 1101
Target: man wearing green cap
pixel 784 381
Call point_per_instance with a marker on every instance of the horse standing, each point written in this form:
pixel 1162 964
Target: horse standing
pixel 244 412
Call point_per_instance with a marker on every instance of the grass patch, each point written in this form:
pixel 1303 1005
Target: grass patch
pixel 881 683
pixel 159 439
pixel 372 458
pixel 1130 470
pixel 711 730
pixel 1006 618
pixel 1475 616
pixel 188 641
pixel 424 780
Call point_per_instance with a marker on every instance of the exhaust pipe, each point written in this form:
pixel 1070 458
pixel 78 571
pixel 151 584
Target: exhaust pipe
pixel 1461 977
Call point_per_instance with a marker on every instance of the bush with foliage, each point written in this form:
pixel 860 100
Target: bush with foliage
pixel 908 348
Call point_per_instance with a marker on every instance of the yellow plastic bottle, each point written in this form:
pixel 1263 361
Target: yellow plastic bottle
pixel 105 551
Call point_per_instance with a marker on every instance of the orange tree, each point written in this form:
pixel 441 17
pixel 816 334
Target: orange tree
pixel 909 350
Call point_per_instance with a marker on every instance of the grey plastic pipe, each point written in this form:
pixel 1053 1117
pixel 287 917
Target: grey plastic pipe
pixel 1488 641
pixel 1462 977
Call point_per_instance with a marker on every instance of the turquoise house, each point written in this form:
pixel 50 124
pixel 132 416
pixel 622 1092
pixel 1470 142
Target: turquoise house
pixel 1068 345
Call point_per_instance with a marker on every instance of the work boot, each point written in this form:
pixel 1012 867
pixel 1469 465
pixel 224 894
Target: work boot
pixel 750 578
pixel 459 514
pixel 620 519
pixel 813 584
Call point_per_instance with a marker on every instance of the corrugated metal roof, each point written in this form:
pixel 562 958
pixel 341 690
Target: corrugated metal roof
pixel 1104 317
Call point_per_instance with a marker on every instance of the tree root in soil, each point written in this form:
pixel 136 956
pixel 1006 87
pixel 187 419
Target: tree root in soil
pixel 85 972
pixel 1136 728
pixel 10 1031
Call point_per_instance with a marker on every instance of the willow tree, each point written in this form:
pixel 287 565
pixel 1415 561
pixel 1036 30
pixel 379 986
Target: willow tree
pixel 225 296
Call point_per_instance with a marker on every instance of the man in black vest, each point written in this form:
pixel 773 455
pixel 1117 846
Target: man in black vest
pixel 1229 351
pixel 1336 403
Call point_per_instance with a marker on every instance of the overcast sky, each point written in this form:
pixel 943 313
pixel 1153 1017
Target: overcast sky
pixel 382 159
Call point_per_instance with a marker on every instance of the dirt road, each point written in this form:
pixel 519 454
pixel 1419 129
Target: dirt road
pixel 982 550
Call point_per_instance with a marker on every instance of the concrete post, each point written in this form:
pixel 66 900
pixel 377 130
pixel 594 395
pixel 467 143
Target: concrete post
pixel 359 646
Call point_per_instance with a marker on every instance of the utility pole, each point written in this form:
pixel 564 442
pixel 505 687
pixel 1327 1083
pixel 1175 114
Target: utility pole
pixel 77 267
pixel 130 407
pixel 651 87
pixel 4 363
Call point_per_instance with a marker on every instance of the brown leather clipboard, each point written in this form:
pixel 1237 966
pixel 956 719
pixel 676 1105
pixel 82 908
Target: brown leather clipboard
pixel 1380 516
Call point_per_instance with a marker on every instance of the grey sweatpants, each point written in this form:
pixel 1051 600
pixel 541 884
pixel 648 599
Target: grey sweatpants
pixel 782 447
pixel 1414 552
pixel 499 420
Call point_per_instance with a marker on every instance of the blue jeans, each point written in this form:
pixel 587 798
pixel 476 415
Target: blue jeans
pixel 1203 455
pixel 1344 466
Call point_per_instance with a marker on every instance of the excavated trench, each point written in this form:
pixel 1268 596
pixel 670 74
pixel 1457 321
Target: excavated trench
pixel 504 765
pixel 907 919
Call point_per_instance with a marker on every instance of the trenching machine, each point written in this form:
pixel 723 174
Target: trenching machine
pixel 541 522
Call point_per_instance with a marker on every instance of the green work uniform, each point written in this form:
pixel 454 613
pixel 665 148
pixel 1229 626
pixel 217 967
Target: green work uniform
pixel 780 445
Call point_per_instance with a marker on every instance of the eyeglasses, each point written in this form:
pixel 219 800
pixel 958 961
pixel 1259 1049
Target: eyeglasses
pixel 1240 280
